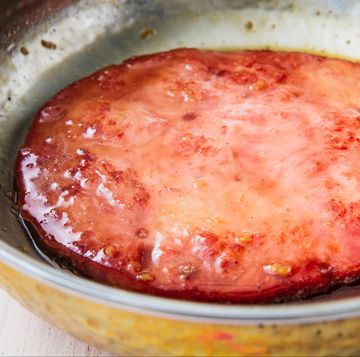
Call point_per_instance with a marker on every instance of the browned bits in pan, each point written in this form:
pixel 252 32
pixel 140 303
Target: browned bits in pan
pixel 49 45
pixel 11 195
pixel 249 25
pixel 24 51
pixel 148 32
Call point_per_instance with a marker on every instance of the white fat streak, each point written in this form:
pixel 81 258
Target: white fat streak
pixel 198 245
pixel 153 120
pixel 103 191
pixel 185 97
pixel 97 256
pixel 77 177
pixel 89 133
pixel 67 174
pixel 179 234
pixel 100 257
pixel 269 269
pixel 54 186
pixel 80 178
pixel 218 262
pixel 106 193
pixel 178 242
pixel 157 252
pixel 61 202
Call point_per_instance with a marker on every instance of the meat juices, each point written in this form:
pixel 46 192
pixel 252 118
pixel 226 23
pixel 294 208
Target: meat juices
pixel 203 175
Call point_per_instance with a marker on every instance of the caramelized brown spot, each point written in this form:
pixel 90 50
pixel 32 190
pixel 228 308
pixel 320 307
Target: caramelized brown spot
pixel 142 197
pixel 243 77
pixel 338 207
pixel 142 233
pixel 145 277
pixel 134 267
pixel 280 77
pixel 72 189
pixel 111 251
pixel 258 85
pixel 189 116
pixel 201 184
pixel 218 72
pixel 244 237
pixel 277 269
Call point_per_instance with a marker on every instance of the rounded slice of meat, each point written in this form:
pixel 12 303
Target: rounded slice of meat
pixel 219 176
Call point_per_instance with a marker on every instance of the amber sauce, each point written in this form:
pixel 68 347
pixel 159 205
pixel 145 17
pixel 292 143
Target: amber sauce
pixel 34 238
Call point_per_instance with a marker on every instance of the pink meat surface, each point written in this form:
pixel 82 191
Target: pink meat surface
pixel 219 176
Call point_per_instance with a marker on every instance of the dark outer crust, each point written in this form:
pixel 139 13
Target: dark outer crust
pixel 202 175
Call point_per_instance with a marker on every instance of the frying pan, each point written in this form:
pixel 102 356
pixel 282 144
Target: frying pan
pixel 47 44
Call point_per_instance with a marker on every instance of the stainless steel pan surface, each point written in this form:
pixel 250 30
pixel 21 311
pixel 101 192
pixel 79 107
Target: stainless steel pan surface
pixel 46 45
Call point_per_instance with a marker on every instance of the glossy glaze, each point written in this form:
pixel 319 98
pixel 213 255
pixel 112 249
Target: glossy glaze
pixel 202 175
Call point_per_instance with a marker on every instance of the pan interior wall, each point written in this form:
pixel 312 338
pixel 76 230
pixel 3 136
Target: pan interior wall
pixel 89 35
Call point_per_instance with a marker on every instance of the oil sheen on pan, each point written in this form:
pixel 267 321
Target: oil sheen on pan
pixel 203 175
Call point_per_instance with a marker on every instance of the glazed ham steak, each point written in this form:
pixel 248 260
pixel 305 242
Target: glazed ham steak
pixel 218 176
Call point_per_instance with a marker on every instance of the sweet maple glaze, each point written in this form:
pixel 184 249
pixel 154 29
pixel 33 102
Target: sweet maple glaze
pixel 224 176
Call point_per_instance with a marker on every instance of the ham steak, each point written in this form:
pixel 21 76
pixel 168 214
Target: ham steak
pixel 203 175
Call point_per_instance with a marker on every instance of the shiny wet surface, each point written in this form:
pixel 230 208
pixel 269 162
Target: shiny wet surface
pixel 201 174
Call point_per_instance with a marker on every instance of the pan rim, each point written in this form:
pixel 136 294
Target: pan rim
pixel 216 313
